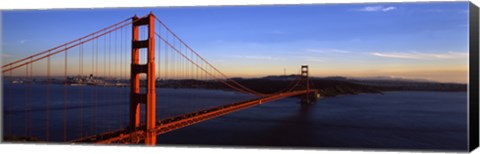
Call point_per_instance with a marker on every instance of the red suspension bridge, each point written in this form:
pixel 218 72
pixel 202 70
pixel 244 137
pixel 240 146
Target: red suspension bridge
pixel 158 58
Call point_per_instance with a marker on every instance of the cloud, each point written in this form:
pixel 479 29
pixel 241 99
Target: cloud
pixel 22 41
pixel 327 51
pixel 377 9
pixel 311 58
pixel 421 55
pixel 389 8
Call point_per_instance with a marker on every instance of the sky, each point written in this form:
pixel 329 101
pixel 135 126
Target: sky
pixel 400 40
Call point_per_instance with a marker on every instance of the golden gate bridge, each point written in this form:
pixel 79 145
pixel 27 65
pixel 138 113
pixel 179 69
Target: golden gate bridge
pixel 158 58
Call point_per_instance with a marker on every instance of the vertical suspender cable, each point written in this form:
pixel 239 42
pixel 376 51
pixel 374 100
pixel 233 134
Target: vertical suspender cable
pixel 109 115
pixel 159 77
pixel 9 115
pixel 81 90
pixel 26 102
pixel 167 78
pixel 31 103
pixel 47 113
pixel 105 114
pixel 114 76
pixel 65 97
pixel 92 93
pixel 121 73
pixel 125 113
pixel 97 84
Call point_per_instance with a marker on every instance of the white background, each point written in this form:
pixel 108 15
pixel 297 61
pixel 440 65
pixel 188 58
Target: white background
pixel 73 149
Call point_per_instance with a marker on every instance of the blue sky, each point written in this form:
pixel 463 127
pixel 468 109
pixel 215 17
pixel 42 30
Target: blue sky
pixel 407 40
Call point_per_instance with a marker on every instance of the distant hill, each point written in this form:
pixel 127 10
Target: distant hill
pixel 386 83
pixel 390 78
pixel 327 86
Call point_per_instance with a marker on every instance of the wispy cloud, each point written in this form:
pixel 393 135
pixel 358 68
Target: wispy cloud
pixel 376 9
pixel 327 51
pixel 311 58
pixel 22 41
pixel 421 55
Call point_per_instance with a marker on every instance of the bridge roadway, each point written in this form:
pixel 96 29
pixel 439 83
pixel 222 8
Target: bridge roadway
pixel 125 136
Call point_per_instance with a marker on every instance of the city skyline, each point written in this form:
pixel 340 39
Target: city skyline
pixel 404 40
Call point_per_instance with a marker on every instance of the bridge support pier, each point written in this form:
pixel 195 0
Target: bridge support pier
pixel 310 97
pixel 136 97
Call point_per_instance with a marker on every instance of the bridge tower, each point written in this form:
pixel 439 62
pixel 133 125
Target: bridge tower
pixel 309 97
pixel 304 76
pixel 148 97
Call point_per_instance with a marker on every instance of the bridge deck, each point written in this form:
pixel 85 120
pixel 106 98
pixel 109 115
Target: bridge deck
pixel 177 122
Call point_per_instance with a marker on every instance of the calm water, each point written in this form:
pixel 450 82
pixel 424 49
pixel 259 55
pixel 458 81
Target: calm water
pixel 395 120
